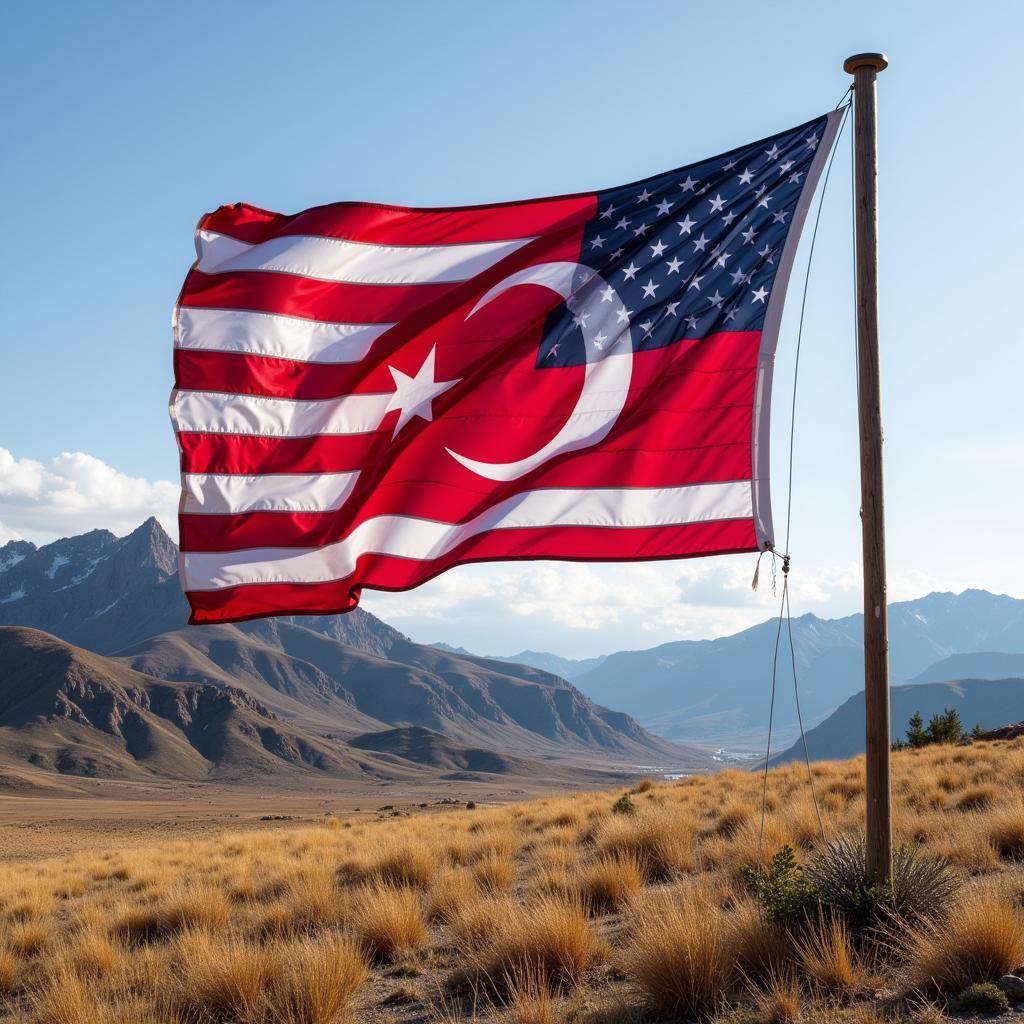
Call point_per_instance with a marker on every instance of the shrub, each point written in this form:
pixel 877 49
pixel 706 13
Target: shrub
pixel 983 998
pixel 782 890
pixel 921 886
pixel 624 805
pixel 681 954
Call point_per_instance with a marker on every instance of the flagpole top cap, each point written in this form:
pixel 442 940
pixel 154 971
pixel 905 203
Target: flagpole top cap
pixel 876 61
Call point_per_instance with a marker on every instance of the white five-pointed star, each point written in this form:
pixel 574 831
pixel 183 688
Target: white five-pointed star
pixel 730 166
pixel 647 326
pixel 597 242
pixel 717 203
pixel 716 299
pixel 623 315
pixel 785 166
pixel 773 153
pixel 764 201
pixel 685 224
pixel 760 295
pixel 701 244
pixel 749 235
pixel 695 283
pixel 643 197
pixel 729 218
pixel 630 271
pixel 812 141
pixel 657 249
pixel 607 293
pixel 580 319
pixel 650 288
pixel 607 214
pixel 720 262
pixel 663 207
pixel 691 322
pixel 780 217
pixel 796 176
pixel 414 396
pixel 641 231
pixel 671 308
pixel 622 224
pixel 674 265
pixel 687 186
pixel 737 275
pixel 746 177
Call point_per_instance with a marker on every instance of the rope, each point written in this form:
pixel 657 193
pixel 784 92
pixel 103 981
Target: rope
pixel 784 606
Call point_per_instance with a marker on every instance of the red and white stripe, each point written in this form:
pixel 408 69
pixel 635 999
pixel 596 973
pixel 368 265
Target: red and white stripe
pixel 295 495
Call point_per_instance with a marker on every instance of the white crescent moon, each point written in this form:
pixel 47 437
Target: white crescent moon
pixel 604 321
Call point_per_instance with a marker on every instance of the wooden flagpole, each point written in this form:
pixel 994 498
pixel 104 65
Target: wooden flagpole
pixel 864 67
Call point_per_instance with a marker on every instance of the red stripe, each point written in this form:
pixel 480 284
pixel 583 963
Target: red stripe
pixel 471 361
pixel 367 222
pixel 228 453
pixel 380 572
pixel 267 292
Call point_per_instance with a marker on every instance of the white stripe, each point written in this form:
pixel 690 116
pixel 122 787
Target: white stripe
pixel 423 540
pixel 336 259
pixel 214 412
pixel 267 334
pixel 222 493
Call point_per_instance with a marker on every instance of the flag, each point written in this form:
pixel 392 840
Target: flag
pixel 368 395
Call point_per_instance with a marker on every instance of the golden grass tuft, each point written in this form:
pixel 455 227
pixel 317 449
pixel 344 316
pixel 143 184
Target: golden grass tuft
pixel 320 982
pixel 389 921
pixel 982 939
pixel 680 953
pixel 779 1001
pixel 608 884
pixel 551 940
pixel 827 956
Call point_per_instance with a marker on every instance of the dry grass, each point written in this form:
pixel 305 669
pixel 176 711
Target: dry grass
pixel 982 940
pixel 389 921
pixel 681 954
pixel 827 957
pixel 557 909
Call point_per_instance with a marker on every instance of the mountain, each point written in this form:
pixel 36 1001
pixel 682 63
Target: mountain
pixel 567 668
pixel 982 665
pixel 718 691
pixel 332 678
pixel 68 710
pixel 990 703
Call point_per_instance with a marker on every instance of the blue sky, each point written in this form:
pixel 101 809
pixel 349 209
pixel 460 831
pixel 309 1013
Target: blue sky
pixel 125 122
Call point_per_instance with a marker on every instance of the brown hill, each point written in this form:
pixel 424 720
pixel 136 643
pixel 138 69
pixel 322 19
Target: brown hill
pixel 68 710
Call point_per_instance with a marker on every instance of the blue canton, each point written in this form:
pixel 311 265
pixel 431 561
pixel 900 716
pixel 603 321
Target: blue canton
pixel 691 252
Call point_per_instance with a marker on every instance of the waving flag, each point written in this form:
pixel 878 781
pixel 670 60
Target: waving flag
pixel 368 395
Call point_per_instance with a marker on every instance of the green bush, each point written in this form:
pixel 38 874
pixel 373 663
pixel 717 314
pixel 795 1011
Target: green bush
pixel 782 890
pixel 624 805
pixel 983 998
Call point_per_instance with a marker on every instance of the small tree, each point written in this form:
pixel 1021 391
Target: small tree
pixel 945 728
pixel 916 736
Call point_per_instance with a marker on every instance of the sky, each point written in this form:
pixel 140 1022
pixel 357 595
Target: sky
pixel 125 122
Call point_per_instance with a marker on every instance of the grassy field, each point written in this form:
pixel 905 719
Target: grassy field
pixel 592 908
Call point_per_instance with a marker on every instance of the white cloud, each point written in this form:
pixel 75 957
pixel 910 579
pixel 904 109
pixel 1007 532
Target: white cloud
pixel 8 534
pixel 582 609
pixel 76 492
